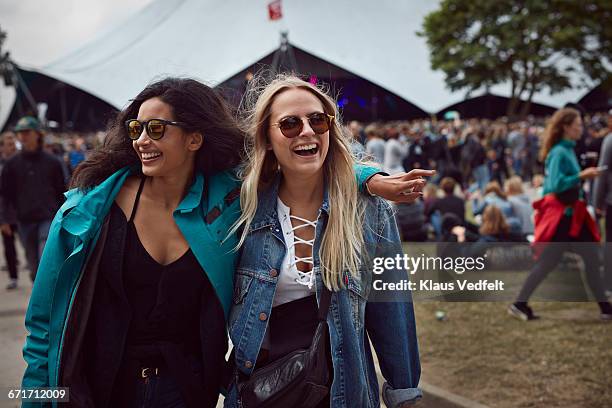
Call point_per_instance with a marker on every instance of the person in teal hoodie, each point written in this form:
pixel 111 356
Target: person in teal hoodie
pixel 135 283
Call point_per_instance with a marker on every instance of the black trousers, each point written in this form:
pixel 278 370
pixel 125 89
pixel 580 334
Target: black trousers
pixel 552 253
pixel 10 254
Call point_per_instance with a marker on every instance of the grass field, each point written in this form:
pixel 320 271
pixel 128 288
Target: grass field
pixel 482 353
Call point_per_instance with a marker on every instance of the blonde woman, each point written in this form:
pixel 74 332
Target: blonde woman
pixel 306 231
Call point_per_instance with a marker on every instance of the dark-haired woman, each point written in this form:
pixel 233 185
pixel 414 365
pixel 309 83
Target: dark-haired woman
pixel 135 283
pixel 562 222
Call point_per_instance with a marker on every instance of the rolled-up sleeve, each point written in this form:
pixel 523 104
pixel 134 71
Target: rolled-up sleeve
pixel 364 173
pixel 394 397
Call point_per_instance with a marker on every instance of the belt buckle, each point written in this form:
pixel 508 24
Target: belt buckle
pixel 145 372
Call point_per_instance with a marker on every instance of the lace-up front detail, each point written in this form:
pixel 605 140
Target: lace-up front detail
pixel 304 278
pixel 293 283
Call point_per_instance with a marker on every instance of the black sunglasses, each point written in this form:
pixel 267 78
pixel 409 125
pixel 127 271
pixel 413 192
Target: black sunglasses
pixel 291 126
pixel 155 127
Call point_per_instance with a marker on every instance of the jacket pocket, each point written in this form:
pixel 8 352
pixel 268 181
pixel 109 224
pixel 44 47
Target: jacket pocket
pixel 241 287
pixel 241 290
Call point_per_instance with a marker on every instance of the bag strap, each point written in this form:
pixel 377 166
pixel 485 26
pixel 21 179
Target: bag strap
pixel 324 304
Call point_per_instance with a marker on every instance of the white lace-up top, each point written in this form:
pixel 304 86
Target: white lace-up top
pixel 292 283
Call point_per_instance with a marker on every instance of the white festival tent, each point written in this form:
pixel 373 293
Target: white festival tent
pixel 212 40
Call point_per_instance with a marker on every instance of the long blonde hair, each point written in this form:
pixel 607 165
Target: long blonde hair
pixel 343 237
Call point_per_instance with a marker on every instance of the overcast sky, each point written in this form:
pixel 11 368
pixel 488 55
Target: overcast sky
pixel 40 31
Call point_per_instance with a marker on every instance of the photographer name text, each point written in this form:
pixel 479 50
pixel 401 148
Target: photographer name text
pixel 430 285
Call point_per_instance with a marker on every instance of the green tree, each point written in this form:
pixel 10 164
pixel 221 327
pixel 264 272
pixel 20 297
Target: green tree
pixel 531 45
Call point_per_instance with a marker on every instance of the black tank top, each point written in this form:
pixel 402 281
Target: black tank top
pixel 166 303
pixel 165 299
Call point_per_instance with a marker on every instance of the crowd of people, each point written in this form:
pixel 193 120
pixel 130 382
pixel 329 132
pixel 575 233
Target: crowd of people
pixel 469 150
pixel 491 175
pixel 478 163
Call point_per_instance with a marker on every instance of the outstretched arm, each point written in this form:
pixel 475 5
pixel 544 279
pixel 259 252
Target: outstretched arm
pixel 400 187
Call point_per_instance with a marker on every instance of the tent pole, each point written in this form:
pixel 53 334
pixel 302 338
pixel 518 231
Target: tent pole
pixel 274 66
pixel 21 84
pixel 284 55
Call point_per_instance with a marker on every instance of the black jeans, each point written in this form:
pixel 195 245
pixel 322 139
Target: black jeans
pixel 10 253
pixel 552 253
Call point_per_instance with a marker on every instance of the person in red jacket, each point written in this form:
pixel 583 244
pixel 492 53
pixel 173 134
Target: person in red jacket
pixel 561 216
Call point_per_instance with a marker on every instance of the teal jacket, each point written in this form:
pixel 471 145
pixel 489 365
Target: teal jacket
pixel 562 168
pixel 204 217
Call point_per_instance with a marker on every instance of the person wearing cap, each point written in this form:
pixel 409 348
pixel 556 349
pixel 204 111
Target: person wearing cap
pixel 33 184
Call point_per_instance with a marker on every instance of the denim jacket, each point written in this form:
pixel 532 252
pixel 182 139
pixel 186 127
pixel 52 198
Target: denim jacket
pixel 353 321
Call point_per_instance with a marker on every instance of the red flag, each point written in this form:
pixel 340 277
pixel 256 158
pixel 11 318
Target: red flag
pixel 275 11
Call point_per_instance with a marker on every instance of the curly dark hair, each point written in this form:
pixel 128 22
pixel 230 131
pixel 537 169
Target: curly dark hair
pixel 202 108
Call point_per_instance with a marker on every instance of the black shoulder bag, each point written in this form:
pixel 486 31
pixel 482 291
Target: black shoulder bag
pixel 299 379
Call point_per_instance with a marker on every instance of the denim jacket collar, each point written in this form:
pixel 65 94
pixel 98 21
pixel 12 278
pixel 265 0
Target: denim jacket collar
pixel 266 213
